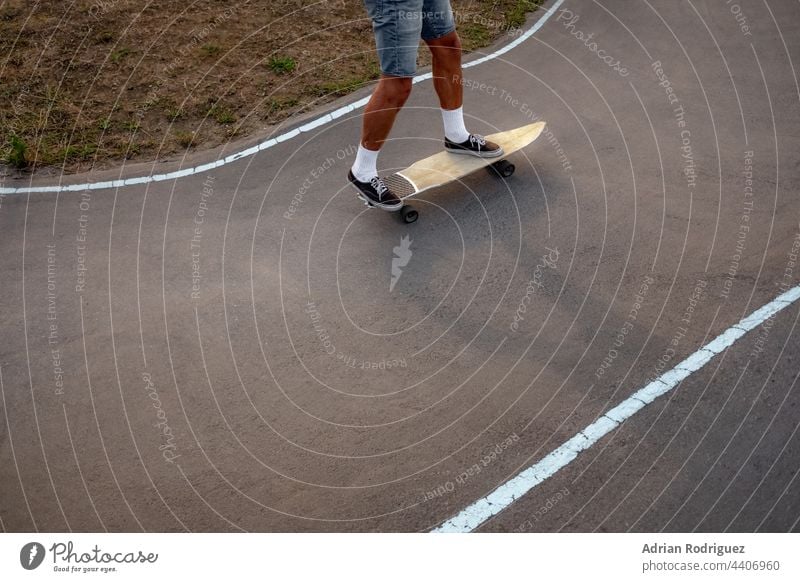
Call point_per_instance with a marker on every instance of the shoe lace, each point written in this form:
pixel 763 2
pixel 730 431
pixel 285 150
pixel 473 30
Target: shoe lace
pixel 477 139
pixel 379 186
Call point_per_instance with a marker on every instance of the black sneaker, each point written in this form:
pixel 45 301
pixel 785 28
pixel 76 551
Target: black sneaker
pixel 474 146
pixel 376 193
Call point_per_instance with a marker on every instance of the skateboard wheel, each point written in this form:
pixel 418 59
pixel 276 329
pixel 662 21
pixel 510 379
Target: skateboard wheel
pixel 503 168
pixel 408 214
pixel 508 169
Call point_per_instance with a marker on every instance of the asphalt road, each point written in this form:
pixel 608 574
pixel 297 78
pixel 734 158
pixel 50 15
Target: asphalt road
pixel 228 351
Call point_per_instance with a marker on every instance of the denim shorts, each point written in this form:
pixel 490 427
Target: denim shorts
pixel 398 26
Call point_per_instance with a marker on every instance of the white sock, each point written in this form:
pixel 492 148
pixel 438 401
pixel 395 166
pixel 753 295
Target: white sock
pixel 454 128
pixel 365 168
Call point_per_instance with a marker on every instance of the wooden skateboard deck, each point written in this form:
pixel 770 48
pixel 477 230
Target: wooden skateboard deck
pixel 444 167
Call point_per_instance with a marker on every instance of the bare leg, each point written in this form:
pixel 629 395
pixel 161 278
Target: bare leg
pixel 447 80
pixel 446 52
pixel 388 98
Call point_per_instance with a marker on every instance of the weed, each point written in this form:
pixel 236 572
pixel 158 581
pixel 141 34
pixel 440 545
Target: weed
pixel 72 153
pixel 16 156
pixel 516 16
pixel 281 65
pixel 373 70
pixel 185 139
pixel 280 103
pixel 340 87
pixel 475 34
pixel 221 114
pixel 119 54
pixel 210 50
pixel 133 149
pixel 174 113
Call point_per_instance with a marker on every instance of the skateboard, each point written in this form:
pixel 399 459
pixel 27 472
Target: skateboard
pixel 444 167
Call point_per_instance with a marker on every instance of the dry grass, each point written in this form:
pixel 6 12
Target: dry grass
pixel 92 82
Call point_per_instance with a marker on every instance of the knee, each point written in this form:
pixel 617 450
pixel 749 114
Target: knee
pixel 452 42
pixel 398 90
pixel 446 46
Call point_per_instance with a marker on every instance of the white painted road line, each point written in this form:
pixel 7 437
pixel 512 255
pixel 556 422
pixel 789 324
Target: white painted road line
pixel 502 497
pixel 313 124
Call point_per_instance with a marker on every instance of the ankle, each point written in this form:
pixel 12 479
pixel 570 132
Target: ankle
pixel 365 164
pixel 454 128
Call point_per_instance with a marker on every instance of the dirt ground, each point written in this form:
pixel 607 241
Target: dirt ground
pixel 94 82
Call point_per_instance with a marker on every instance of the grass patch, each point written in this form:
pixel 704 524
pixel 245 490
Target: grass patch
pixel 516 16
pixel 118 55
pixel 281 103
pixel 282 65
pixel 474 34
pixel 221 114
pixel 174 113
pixel 185 139
pixel 341 86
pixel 77 153
pixel 373 70
pixel 16 155
pixel 131 125
pixel 210 50
pixel 275 107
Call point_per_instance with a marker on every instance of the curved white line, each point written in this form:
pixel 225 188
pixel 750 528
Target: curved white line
pixel 313 124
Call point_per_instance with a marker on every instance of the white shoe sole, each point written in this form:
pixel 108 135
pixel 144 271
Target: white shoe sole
pixel 486 156
pixel 369 202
